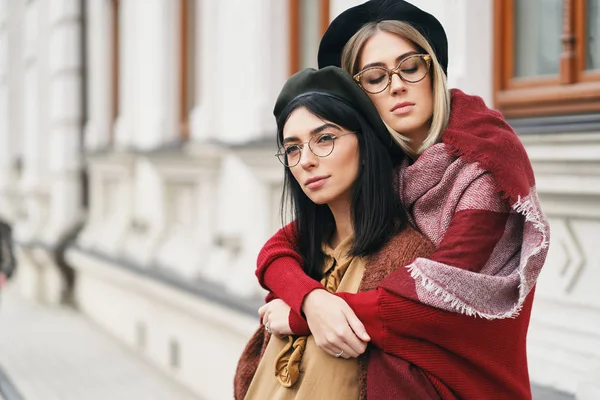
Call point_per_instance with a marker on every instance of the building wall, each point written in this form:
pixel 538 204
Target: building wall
pixel 165 259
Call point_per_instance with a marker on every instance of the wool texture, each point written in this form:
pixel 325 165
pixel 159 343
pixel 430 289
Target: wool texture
pixel 460 315
pixel 480 164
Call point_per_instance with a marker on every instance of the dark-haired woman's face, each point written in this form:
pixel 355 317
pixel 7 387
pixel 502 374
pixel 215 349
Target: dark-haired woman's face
pixel 405 107
pixel 325 180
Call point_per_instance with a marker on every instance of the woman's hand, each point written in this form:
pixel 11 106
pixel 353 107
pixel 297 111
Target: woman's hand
pixel 334 325
pixel 275 316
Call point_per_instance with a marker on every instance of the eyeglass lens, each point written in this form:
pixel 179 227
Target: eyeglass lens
pixel 320 146
pixel 411 69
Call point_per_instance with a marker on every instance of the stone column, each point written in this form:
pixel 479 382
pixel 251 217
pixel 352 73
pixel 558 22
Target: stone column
pixel 100 94
pixel 5 142
pixel 249 71
pixel 34 108
pixel 11 130
pixel 204 118
pixel 66 112
pixel 148 65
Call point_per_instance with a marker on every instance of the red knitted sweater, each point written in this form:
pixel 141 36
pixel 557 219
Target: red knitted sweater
pixel 473 210
pixel 462 357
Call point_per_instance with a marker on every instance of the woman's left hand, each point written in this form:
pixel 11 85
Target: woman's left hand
pixel 275 317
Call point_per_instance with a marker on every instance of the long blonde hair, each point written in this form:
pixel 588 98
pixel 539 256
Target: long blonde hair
pixel 441 94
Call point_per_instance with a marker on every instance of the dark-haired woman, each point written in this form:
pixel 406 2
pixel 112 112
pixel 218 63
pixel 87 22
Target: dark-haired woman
pixel 336 166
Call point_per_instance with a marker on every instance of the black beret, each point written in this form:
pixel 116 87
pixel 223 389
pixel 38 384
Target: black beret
pixel 335 82
pixel 345 25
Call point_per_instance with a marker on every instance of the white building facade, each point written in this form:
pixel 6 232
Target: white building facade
pixel 137 162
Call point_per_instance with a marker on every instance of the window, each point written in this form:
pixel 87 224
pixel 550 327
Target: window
pixel 187 72
pixel 308 21
pixel 547 57
pixel 115 64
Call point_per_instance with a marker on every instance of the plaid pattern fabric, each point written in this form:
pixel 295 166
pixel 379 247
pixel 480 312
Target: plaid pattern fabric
pixel 480 166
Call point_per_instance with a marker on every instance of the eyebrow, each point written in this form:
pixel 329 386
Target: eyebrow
pixel 398 59
pixel 314 132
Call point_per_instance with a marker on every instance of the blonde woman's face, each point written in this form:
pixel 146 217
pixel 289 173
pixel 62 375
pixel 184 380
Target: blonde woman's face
pixel 405 107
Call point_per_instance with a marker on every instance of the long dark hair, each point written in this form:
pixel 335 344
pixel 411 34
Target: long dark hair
pixel 377 213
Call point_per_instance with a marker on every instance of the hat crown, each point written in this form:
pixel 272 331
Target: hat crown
pixel 331 80
pixel 345 25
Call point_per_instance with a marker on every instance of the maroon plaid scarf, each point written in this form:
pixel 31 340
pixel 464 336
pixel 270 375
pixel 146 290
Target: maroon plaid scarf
pixel 478 148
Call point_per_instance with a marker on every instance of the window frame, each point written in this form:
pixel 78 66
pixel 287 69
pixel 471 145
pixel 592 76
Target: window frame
pixel 575 90
pixel 295 28
pixel 187 27
pixel 115 65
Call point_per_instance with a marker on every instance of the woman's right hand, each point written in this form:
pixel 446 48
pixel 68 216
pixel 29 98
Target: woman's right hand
pixel 334 325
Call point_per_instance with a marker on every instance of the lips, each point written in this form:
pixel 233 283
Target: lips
pixel 402 108
pixel 315 182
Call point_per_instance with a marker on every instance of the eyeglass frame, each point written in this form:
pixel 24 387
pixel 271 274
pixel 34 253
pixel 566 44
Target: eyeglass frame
pixel 335 137
pixel 394 71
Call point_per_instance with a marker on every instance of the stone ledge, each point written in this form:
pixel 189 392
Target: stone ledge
pixel 199 288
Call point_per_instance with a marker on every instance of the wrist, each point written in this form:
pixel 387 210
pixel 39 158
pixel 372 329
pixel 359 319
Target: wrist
pixel 310 298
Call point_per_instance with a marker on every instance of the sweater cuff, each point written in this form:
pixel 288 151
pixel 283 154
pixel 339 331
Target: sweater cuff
pixel 366 307
pixel 288 281
pixel 298 325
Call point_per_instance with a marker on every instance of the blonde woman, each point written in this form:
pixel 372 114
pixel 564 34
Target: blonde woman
pixel 459 316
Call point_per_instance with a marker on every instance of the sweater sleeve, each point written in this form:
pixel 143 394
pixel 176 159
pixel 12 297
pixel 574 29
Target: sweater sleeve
pixel 279 269
pixel 298 324
pixel 367 305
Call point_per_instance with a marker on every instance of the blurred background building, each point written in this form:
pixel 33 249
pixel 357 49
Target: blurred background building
pixel 137 161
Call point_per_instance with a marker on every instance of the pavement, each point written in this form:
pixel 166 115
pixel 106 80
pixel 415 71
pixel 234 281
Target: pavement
pixel 54 353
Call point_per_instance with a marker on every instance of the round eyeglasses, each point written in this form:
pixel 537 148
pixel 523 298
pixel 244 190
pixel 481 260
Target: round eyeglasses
pixel 411 69
pixel 320 145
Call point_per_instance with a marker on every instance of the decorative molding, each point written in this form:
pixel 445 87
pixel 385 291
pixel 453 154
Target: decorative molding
pixel 574 257
pixel 260 157
pixel 556 124
pixel 567 171
pixel 204 289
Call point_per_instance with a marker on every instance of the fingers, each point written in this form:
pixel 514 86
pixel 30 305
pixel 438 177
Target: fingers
pixel 264 319
pixel 340 354
pixel 344 339
pixel 345 336
pixel 357 327
pixel 354 345
pixel 275 318
pixel 262 310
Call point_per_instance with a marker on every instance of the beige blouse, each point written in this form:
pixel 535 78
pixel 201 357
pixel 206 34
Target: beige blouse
pixel 321 375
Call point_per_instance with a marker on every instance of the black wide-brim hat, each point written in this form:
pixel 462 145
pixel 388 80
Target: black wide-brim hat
pixel 335 82
pixel 345 25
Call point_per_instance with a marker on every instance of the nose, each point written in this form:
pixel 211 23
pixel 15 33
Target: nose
pixel 307 159
pixel 397 85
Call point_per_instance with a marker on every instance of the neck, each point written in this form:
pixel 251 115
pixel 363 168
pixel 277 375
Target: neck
pixel 343 222
pixel 417 139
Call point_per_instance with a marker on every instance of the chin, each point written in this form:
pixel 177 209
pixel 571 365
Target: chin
pixel 406 128
pixel 320 197
pixel 320 200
